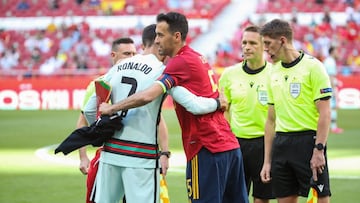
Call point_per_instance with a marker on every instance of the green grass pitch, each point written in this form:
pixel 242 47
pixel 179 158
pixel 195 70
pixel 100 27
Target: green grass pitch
pixel 26 178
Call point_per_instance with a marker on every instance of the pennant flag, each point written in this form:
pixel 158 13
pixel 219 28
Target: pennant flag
pixel 164 193
pixel 103 92
pixel 312 196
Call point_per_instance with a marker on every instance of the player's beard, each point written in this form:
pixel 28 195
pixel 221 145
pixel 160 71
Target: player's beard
pixel 163 53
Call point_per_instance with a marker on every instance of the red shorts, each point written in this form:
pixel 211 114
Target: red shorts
pixel 93 168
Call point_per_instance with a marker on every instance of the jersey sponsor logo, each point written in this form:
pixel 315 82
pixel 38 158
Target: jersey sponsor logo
pixel 295 89
pixel 326 90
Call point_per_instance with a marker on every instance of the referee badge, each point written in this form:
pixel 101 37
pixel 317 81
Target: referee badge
pixel 295 89
pixel 262 97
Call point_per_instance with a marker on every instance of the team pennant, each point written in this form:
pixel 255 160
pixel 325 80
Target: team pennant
pixel 103 92
pixel 164 193
pixel 313 193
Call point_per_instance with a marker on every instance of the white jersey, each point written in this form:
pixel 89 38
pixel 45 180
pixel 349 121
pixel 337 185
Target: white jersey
pixel 136 144
pixel 330 65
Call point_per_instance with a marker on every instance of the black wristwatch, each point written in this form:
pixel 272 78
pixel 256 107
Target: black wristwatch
pixel 165 153
pixel 319 146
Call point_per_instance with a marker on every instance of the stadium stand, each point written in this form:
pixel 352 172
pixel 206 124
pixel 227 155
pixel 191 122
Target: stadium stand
pixel 51 50
pixel 288 6
pixel 338 24
pixel 191 8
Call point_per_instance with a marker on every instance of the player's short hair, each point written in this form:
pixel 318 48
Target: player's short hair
pixel 122 40
pixel 331 50
pixel 252 28
pixel 149 35
pixel 277 28
pixel 177 23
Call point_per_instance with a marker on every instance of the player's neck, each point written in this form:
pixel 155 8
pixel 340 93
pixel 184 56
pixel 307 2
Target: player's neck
pixel 175 52
pixel 177 48
pixel 291 55
pixel 255 64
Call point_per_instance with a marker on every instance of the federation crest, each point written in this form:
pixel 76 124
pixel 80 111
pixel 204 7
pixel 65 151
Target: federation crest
pixel 295 89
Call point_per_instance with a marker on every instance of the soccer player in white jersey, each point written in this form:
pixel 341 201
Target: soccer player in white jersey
pixel 121 48
pixel 129 163
pixel 331 68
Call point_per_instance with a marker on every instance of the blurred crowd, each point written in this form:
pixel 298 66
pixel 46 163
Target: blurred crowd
pixel 40 8
pixel 62 50
pixel 314 38
pixel 79 49
pixel 67 49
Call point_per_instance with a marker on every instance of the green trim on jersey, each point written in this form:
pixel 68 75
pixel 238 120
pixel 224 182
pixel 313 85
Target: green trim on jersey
pixel 294 90
pixel 131 148
pixel 247 95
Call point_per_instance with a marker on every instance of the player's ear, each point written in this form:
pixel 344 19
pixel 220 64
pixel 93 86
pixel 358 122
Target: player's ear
pixel 177 35
pixel 282 40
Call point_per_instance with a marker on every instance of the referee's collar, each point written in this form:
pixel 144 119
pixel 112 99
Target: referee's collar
pixel 293 63
pixel 248 70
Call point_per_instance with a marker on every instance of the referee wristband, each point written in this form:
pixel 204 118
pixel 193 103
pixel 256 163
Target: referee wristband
pixel 165 153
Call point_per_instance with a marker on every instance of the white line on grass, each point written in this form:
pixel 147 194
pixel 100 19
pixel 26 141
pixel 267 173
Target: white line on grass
pixel 178 161
pixel 47 153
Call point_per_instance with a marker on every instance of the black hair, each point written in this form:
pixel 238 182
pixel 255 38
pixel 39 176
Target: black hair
pixel 177 23
pixel 148 35
pixel 277 28
pixel 331 49
pixel 122 40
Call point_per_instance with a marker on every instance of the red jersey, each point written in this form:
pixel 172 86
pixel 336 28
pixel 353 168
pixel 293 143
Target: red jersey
pixel 212 131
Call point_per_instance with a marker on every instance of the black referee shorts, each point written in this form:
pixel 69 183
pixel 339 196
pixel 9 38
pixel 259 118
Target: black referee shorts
pixel 253 158
pixel 290 166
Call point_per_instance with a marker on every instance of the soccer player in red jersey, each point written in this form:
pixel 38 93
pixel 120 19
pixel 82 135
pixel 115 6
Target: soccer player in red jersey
pixel 214 161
